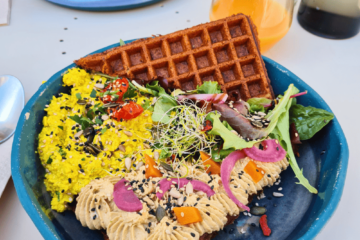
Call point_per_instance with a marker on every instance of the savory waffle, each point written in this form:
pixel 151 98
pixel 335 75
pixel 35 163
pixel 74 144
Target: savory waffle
pixel 226 51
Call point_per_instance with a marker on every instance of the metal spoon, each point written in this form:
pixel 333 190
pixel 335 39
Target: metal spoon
pixel 12 100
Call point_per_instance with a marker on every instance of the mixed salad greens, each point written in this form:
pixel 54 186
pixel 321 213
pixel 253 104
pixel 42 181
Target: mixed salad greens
pixel 201 120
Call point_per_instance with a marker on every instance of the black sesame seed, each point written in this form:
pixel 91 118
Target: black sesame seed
pixel 208 213
pixel 139 213
pixel 175 227
pixel 149 224
pixel 69 180
pixel 167 224
pixel 93 209
pixel 99 207
pixel 94 217
pixel 193 234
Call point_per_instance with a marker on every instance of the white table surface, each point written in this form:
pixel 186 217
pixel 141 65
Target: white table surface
pixel 30 49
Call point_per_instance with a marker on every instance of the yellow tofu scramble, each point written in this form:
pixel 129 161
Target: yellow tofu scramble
pixel 62 142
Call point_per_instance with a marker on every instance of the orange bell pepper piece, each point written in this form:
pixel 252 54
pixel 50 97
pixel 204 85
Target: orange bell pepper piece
pixel 151 170
pixel 213 166
pixel 255 172
pixel 187 215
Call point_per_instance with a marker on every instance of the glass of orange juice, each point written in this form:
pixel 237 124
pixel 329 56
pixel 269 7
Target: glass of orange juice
pixel 272 17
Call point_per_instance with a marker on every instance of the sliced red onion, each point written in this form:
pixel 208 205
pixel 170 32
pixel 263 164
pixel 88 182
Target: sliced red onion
pixel 165 185
pixel 292 96
pixel 298 94
pixel 226 168
pixel 273 152
pixel 214 98
pixel 125 199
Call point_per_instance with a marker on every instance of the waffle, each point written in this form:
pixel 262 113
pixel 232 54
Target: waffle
pixel 226 51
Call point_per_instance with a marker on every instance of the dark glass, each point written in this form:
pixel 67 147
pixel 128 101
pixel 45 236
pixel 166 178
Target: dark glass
pixel 326 24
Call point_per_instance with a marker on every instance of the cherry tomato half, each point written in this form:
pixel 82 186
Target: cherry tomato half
pixel 119 86
pixel 127 111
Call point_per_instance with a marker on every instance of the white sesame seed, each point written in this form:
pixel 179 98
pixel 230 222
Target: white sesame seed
pixel 182 214
pixel 276 194
pixel 280 188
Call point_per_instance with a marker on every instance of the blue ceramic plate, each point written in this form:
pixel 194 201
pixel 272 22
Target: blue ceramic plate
pixel 103 5
pixel 297 215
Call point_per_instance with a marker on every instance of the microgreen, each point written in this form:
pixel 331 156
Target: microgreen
pixel 58 195
pixel 83 121
pixel 104 130
pixel 93 94
pixel 49 161
pixel 183 135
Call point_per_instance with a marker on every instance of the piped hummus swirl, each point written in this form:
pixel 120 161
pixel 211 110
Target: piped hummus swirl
pixel 212 212
pixel 230 207
pixel 169 230
pixel 130 225
pixel 95 203
pixel 147 186
pixel 242 184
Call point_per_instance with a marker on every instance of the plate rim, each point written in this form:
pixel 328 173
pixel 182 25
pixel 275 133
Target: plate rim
pixel 47 232
pixel 99 6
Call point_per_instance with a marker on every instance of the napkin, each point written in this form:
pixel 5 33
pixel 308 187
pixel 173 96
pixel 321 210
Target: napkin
pixel 5 6
pixel 5 162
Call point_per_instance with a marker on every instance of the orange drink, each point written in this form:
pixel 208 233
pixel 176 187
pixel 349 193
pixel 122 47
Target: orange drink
pixel 271 17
